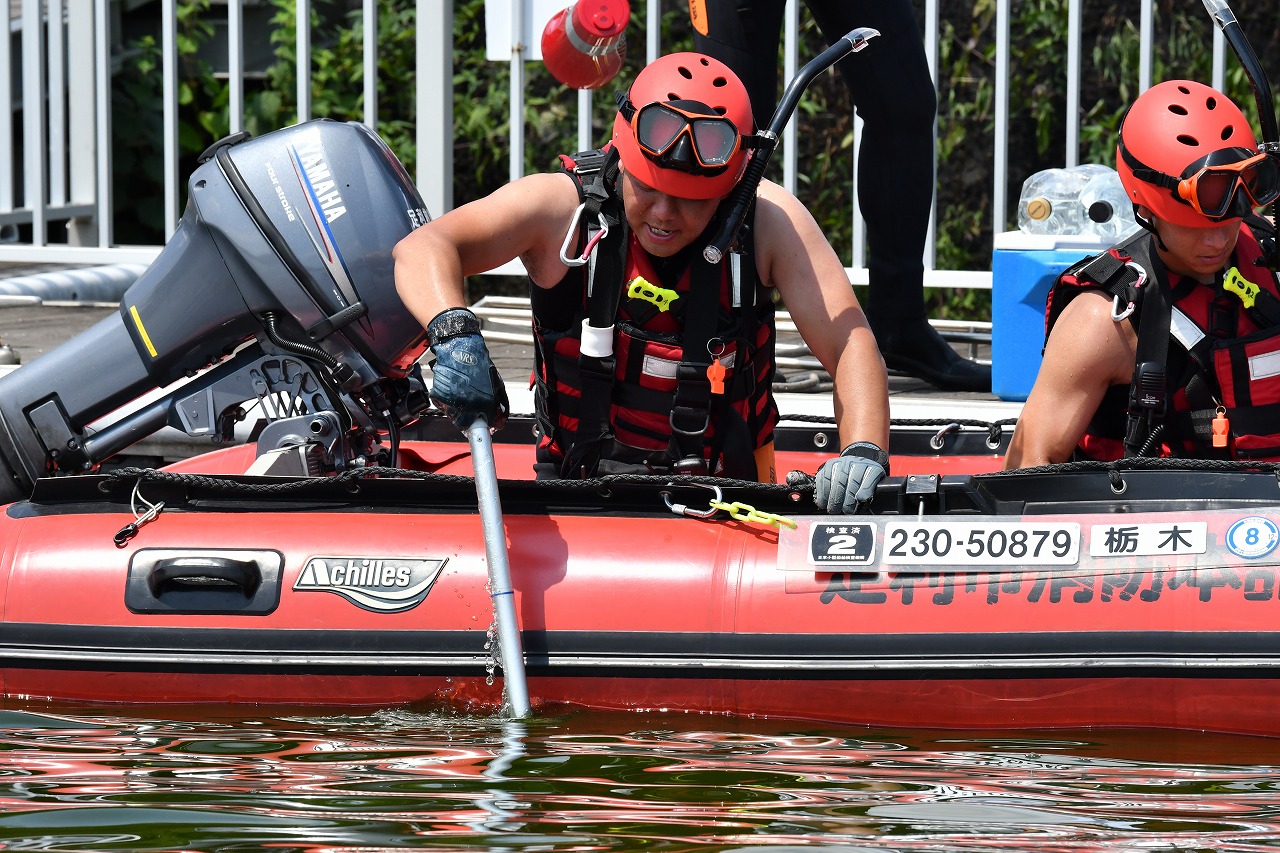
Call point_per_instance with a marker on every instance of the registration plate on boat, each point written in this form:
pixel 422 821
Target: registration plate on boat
pixel 981 543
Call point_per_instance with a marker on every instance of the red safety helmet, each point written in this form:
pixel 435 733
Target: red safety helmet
pixel 682 155
pixel 1188 154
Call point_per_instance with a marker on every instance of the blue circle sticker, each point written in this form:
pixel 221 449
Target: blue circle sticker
pixel 1252 537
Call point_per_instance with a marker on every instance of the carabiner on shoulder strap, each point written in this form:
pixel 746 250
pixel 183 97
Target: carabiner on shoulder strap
pixel 1117 313
pixel 594 236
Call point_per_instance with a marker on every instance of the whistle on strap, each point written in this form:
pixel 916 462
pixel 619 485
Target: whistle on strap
pixel 1221 428
pixel 644 290
pixel 1235 283
pixel 715 375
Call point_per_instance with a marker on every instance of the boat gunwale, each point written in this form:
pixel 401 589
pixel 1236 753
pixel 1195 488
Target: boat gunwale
pixel 1170 488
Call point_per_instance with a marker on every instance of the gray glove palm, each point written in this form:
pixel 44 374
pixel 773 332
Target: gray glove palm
pixel 850 478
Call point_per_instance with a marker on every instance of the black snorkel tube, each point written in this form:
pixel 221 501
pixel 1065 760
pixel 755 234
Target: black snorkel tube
pixel 1230 27
pixel 1226 20
pixel 744 194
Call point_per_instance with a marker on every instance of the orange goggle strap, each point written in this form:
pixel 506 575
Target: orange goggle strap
pixel 1187 188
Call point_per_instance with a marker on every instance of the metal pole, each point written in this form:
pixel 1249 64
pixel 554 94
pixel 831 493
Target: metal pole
pixel 495 546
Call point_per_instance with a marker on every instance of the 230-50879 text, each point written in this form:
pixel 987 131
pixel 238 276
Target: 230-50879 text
pixel 959 543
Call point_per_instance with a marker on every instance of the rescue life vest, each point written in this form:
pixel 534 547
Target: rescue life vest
pixel 687 387
pixel 1208 355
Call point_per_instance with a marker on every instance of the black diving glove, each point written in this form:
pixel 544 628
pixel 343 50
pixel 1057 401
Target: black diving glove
pixel 465 385
pixel 850 478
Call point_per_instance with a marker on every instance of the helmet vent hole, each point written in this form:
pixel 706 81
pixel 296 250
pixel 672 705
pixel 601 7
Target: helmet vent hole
pixel 1227 132
pixel 719 82
pixel 686 73
pixel 1184 90
pixel 1178 109
pixel 1188 140
pixel 1211 103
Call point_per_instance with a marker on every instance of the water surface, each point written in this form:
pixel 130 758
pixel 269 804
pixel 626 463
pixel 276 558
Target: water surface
pixel 236 780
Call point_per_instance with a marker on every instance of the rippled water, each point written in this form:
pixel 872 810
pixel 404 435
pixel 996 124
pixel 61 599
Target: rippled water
pixel 586 782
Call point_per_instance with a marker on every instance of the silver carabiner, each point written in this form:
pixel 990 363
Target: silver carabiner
pixel 681 509
pixel 591 243
pixel 1142 274
pixel 1116 313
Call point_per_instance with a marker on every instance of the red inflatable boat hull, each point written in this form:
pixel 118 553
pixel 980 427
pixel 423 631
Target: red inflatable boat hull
pixel 937 615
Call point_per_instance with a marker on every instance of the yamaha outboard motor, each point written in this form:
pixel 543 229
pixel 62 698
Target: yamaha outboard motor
pixel 276 287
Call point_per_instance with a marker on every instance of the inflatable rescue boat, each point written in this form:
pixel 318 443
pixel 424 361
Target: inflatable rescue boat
pixel 962 600
pixel 338 558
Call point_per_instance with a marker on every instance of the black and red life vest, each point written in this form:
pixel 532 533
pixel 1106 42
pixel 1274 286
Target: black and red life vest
pixel 650 407
pixel 1204 352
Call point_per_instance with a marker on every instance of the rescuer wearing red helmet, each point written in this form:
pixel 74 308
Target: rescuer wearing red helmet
pixel 650 359
pixel 1168 344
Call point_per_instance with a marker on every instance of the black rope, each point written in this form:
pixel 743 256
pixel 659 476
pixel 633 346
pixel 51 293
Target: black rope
pixel 221 483
pixel 1115 469
pixel 1143 463
pixel 352 477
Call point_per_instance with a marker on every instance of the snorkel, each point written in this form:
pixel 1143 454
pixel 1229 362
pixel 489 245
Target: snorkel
pixel 1226 20
pixel 744 194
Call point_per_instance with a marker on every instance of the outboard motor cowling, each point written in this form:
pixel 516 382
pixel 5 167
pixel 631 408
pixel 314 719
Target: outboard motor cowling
pixel 284 249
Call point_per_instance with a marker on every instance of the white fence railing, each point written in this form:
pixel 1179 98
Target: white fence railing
pixel 62 177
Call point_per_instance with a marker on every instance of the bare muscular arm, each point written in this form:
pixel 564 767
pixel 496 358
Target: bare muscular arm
pixel 525 219
pixel 1087 353
pixel 793 255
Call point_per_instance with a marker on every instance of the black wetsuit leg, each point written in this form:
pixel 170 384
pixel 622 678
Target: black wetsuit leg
pixel 894 94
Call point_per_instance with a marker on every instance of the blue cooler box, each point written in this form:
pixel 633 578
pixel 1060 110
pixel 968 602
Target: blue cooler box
pixel 1023 268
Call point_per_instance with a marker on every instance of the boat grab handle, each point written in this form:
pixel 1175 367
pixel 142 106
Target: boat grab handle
pixel 212 572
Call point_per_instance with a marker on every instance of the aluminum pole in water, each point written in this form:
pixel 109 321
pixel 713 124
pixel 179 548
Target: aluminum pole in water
pixel 495 546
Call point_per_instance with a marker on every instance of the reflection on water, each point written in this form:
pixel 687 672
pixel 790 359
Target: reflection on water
pixel 586 782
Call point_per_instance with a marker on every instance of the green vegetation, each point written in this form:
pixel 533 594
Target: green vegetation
pixel 966 97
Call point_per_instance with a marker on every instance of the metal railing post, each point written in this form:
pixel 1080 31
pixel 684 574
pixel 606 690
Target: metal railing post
pixel 34 140
pixel 434 97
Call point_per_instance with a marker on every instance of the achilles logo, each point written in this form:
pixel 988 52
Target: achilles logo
pixel 383 585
